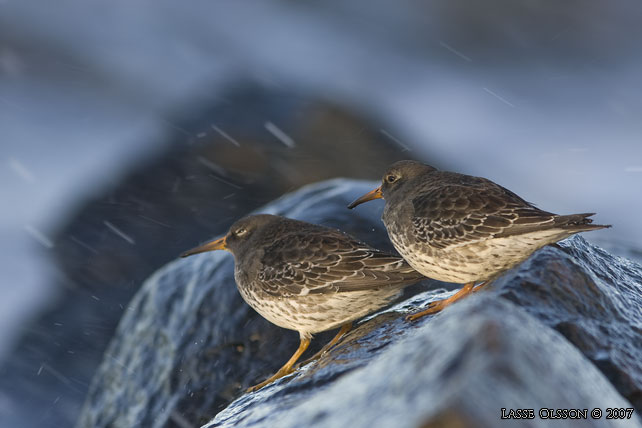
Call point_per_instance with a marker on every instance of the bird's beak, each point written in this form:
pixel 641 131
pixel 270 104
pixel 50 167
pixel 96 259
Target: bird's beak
pixel 218 244
pixel 375 194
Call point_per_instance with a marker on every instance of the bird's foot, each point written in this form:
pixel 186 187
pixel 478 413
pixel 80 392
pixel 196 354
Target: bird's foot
pixel 439 305
pixel 286 369
pixel 278 375
pixel 433 308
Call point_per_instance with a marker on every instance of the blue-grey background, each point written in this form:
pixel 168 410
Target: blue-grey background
pixel 543 97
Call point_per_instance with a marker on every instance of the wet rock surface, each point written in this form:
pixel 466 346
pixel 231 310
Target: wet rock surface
pixel 592 298
pixel 455 370
pixel 223 159
pixel 562 330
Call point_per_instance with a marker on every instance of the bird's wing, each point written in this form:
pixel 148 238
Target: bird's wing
pixel 456 215
pixel 317 264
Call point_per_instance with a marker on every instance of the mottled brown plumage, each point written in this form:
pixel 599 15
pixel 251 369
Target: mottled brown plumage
pixel 309 278
pixel 464 229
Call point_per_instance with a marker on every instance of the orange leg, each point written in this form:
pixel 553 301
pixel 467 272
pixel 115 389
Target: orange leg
pixel 480 286
pixel 286 369
pixel 345 328
pixel 439 305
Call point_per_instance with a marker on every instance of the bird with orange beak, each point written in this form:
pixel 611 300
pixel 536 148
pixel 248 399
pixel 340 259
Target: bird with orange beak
pixel 308 278
pixel 463 229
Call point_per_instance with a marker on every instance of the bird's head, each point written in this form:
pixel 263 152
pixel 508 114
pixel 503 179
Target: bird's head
pixel 238 237
pixel 396 176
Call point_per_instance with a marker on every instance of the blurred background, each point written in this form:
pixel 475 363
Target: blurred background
pixel 130 131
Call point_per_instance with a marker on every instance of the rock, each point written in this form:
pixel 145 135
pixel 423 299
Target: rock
pixel 458 369
pixel 188 345
pixel 592 298
pixel 192 190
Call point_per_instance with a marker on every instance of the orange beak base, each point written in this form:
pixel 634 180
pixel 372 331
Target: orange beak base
pixel 218 244
pixel 375 194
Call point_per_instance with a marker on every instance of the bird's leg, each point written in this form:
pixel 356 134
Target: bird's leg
pixel 480 286
pixel 286 369
pixel 345 328
pixel 439 305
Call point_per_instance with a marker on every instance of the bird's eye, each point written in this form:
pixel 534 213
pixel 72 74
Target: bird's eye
pixel 390 178
pixel 240 232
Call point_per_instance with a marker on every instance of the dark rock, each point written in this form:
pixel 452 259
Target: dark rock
pixel 192 190
pixel 188 345
pixel 458 369
pixel 594 299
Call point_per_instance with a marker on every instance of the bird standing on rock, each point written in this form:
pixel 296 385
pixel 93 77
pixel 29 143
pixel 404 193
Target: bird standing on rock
pixel 308 278
pixel 463 229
